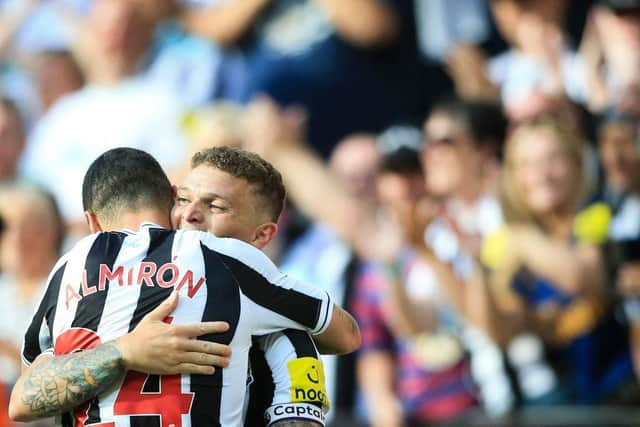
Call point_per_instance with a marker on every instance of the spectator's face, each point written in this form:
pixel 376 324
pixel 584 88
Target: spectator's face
pixel 405 197
pixel 544 172
pixel 450 157
pixel 11 143
pixel 29 243
pixel 119 30
pixel 355 163
pixel 214 201
pixel 56 77
pixel 620 156
pixel 394 188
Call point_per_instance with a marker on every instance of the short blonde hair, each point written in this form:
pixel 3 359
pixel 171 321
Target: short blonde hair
pixel 512 198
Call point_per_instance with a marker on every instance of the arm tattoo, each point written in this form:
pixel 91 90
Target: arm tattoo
pixel 290 423
pixel 64 382
pixel 354 325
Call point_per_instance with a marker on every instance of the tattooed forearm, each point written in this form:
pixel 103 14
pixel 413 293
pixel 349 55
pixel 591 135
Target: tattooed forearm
pixel 64 382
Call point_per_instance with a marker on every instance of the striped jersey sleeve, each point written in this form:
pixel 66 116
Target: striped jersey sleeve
pixel 58 306
pixel 285 369
pixel 277 300
pixel 38 337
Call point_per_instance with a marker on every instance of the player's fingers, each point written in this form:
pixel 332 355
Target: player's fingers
pixel 164 309
pixel 192 368
pixel 202 328
pixel 204 359
pixel 206 347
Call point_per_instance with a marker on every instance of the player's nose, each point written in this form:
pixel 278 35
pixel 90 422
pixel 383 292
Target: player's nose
pixel 192 213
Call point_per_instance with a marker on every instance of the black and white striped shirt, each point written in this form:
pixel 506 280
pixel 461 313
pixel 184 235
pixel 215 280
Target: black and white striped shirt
pixel 285 369
pixel 102 288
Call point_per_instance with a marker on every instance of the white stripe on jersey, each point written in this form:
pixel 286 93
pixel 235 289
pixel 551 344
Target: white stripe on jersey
pixel 119 306
pixel 71 282
pixel 277 350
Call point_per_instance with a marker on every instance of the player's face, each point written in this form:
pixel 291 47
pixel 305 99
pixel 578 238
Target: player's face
pixel 214 201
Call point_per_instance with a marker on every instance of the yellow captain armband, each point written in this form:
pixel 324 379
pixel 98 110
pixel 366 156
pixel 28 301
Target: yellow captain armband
pixel 307 382
pixel 494 248
pixel 591 225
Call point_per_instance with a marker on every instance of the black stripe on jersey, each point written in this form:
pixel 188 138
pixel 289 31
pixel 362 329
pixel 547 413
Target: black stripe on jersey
pixel 292 304
pixel 159 252
pixel 46 312
pixel 261 390
pixel 223 303
pixel 105 250
pixel 301 342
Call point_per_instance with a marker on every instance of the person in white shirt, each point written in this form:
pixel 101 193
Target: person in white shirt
pixel 118 107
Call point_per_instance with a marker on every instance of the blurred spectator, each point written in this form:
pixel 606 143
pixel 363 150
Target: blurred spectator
pixel 28 28
pixel 29 248
pixel 352 65
pixel 620 156
pixel 42 25
pixel 117 107
pixel 319 256
pixel 610 53
pixel 187 64
pixel 56 75
pixel 549 279
pixel 541 58
pixel 461 158
pixel 411 366
pixel 215 125
pixel 442 25
pixel 12 139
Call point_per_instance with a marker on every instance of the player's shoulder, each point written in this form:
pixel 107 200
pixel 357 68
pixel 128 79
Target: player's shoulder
pixel 229 249
pixel 224 245
pixel 81 245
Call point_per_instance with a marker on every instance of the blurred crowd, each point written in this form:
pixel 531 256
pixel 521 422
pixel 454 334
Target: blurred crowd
pixel 463 175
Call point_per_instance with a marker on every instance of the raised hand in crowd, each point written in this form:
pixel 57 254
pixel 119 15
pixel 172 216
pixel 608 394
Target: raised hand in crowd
pixel 467 66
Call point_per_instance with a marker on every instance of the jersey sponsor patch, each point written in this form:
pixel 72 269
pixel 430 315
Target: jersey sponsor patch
pixel 307 381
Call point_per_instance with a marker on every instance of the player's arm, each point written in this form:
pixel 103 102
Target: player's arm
pixel 299 305
pixel 55 384
pixel 299 397
pixel 342 336
pixel 296 423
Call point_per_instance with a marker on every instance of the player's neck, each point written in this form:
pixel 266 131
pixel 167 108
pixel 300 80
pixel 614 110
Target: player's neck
pixel 133 220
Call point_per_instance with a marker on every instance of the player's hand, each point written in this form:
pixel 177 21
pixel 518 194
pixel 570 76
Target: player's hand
pixel 156 347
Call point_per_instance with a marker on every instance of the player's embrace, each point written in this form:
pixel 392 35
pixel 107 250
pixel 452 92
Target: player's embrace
pixel 99 292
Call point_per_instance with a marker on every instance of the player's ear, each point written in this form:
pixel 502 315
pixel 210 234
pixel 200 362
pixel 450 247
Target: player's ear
pixel 264 234
pixel 174 191
pixel 92 221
